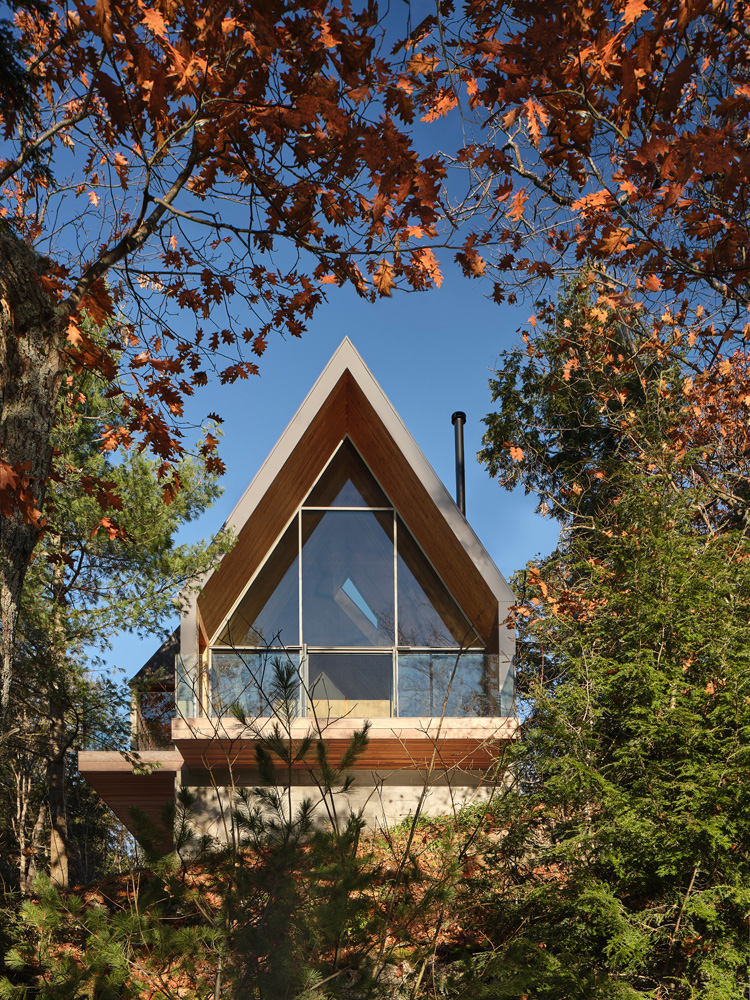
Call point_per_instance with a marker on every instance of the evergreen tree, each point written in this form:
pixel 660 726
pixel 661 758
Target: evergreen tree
pixel 626 866
pixel 93 575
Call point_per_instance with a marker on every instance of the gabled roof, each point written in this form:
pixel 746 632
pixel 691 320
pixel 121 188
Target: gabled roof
pixel 347 401
pixel 158 671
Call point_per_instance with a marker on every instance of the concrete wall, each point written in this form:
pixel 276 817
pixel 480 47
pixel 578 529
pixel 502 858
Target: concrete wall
pixel 385 798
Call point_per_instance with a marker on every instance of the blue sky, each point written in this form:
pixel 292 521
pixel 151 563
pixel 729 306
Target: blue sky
pixel 432 353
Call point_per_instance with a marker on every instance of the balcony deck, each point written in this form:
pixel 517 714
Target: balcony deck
pixel 394 743
pixel 220 751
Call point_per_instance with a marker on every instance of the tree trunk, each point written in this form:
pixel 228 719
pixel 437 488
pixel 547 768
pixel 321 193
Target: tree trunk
pixel 31 368
pixel 22 807
pixel 59 740
pixel 58 811
pixel 35 847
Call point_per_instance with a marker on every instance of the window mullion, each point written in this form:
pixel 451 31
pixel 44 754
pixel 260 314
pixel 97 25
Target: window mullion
pixel 394 672
pixel 303 662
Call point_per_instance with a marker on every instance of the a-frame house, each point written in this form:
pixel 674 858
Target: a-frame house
pixel 353 567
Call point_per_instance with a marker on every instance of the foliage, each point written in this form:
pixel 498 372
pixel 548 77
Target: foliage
pixel 137 935
pixel 609 132
pixel 15 83
pixel 577 405
pixel 625 866
pixel 121 572
pixel 292 113
pixel 295 904
pixel 226 161
pixel 88 581
pixel 629 842
pixel 170 918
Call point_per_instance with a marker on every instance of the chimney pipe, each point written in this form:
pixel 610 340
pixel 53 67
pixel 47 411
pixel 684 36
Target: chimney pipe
pixel 458 419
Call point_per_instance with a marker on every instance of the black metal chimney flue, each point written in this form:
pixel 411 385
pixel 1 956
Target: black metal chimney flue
pixel 458 419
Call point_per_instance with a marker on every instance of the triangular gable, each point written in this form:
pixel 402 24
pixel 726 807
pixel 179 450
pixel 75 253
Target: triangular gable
pixel 347 401
pixel 157 673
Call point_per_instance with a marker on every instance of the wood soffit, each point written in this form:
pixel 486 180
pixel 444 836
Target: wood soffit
pixel 347 411
pixel 112 776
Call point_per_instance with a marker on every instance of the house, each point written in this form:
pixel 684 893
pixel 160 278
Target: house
pixel 354 567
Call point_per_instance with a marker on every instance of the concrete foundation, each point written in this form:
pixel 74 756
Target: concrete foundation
pixel 384 798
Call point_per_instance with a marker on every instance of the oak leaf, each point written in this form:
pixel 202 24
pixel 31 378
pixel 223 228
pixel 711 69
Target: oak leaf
pixel 633 10
pixel 515 211
pixel 383 278
pixel 155 22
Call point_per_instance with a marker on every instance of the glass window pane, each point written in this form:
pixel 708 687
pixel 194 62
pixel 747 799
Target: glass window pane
pixel 258 682
pixel 186 675
pixel 427 614
pixel 424 680
pixel 268 614
pixel 347 482
pixel 347 578
pixel 356 684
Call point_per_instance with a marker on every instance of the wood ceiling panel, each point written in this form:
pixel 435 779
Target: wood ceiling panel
pixel 274 510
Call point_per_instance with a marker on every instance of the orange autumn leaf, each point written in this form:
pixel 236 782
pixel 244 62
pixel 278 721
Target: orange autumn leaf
pixel 383 278
pixel 515 211
pixel 155 22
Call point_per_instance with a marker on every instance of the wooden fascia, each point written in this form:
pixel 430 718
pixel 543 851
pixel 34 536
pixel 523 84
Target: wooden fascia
pixel 346 400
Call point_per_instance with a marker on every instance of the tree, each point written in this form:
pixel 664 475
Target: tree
pixel 573 401
pixel 613 132
pixel 625 865
pixel 627 851
pixel 222 160
pixel 51 819
pixel 89 580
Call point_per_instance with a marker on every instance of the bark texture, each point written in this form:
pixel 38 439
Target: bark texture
pixel 31 368
pixel 58 812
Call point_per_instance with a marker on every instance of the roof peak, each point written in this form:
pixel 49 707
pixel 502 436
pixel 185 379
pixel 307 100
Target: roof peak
pixel 346 400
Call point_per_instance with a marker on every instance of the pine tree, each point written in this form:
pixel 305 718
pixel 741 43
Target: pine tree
pixel 626 865
pixel 94 574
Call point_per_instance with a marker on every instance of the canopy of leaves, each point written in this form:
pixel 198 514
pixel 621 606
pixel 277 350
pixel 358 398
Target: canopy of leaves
pixel 228 160
pixel 613 131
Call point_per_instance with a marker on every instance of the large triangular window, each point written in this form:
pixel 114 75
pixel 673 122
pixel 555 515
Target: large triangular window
pixel 268 614
pixel 351 597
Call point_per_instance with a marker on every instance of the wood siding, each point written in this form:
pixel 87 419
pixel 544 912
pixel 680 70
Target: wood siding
pixel 111 775
pixel 393 754
pixel 394 744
